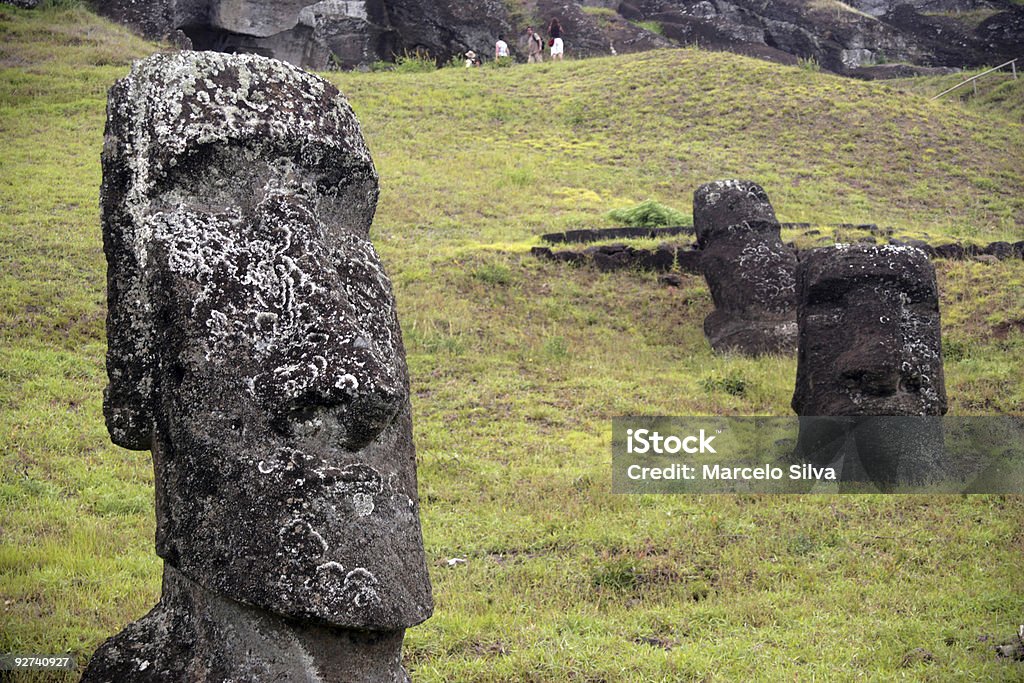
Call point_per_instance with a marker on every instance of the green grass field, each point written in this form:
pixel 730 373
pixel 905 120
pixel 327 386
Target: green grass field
pixel 519 365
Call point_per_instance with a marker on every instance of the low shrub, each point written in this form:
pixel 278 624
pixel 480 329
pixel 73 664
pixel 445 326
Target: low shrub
pixel 648 214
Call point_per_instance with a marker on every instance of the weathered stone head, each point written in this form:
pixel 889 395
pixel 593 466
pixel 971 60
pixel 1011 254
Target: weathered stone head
pixel 869 333
pixel 253 341
pixel 747 267
pixel 729 202
pixel 870 347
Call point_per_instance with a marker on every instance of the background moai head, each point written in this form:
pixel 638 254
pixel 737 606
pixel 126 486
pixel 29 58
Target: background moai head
pixel 729 202
pixel 749 271
pixel 750 274
pixel 869 333
pixel 253 340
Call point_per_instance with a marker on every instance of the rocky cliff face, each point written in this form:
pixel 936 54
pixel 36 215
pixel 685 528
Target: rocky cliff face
pixel 846 38
pixel 318 35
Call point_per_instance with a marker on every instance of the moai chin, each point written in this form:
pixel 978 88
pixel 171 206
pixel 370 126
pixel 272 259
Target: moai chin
pixel 747 268
pixel 869 365
pixel 253 347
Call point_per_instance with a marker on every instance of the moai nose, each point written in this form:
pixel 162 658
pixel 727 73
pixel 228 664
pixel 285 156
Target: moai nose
pixel 363 391
pixel 872 381
pixel 871 363
pixel 348 387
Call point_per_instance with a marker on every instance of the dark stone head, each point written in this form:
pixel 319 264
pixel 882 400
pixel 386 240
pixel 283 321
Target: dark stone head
pixel 729 202
pixel 869 333
pixel 200 134
pixel 253 340
pixel 750 274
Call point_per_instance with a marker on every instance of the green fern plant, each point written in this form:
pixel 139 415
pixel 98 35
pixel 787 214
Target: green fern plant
pixel 648 214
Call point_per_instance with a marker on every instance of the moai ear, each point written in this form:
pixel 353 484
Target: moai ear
pixel 127 398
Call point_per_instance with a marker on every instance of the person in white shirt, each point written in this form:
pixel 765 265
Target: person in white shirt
pixel 500 48
pixel 557 47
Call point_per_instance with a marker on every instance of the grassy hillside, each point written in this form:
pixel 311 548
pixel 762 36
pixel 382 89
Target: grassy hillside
pixel 998 92
pixel 518 366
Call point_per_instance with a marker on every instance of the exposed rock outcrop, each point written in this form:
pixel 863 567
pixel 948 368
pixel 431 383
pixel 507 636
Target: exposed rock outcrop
pixel 609 257
pixel 595 35
pixel 319 35
pixel 839 36
pixel 253 347
pixel 878 8
pixel 353 33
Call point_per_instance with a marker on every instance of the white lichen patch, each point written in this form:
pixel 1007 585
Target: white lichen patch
pixel 298 540
pixel 710 194
pixel 360 588
pixel 768 267
pixel 362 504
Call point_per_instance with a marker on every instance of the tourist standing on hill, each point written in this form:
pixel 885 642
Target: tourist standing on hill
pixel 557 47
pixel 534 46
pixel 500 48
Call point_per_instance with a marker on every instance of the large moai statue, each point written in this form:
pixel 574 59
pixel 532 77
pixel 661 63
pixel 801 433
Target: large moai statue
pixel 749 271
pixel 870 347
pixel 254 349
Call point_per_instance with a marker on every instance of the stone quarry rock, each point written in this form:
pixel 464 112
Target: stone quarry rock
pixel 1001 250
pixel 597 234
pixel 660 260
pixel 841 37
pixel 589 35
pixel 671 280
pixel 878 72
pixel 689 261
pixel 880 8
pixel 253 346
pixel 870 346
pixel 747 267
pixel 355 33
pixel 953 251
pixel 319 35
